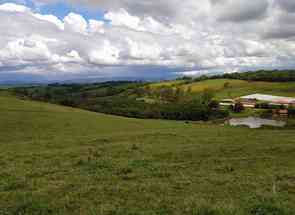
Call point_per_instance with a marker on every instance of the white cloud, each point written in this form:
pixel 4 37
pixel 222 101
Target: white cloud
pixel 76 23
pixel 50 18
pixel 96 26
pixel 11 7
pixel 105 55
pixel 139 50
pixel 70 57
pixel 123 18
pixel 25 50
pixel 212 36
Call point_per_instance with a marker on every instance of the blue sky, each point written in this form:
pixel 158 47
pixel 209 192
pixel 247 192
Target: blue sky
pixel 60 9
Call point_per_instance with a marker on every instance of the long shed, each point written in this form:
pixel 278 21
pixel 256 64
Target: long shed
pixel 269 98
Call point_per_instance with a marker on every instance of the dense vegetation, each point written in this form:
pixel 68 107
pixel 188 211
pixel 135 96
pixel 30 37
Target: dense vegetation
pixel 264 75
pixel 59 160
pixel 260 75
pixel 131 99
pixel 183 99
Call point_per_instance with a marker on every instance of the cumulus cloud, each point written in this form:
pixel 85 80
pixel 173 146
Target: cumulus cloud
pixel 205 36
pixel 76 23
pixel 240 10
pixel 10 7
pixel 105 55
pixel 287 5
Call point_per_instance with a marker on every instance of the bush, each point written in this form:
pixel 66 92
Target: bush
pixel 238 107
pixel 214 104
pixel 291 111
pixel 262 106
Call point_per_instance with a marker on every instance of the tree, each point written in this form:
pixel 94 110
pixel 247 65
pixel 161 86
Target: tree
pixel 291 111
pixel 178 94
pixel 189 90
pixel 238 107
pixel 213 104
pixel 207 96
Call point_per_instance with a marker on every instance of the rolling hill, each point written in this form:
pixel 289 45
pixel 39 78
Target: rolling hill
pixel 234 88
pixel 59 160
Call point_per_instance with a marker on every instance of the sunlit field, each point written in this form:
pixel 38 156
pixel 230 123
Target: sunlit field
pixel 58 160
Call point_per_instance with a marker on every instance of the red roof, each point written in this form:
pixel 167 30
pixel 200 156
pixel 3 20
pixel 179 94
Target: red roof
pixel 284 102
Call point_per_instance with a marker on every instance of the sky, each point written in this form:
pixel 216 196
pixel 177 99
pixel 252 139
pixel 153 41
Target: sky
pixel 90 39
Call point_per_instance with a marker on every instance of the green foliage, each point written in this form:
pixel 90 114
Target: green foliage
pixel 263 105
pixel 260 75
pixel 206 210
pixel 291 111
pixel 185 78
pixel 264 75
pixel 267 207
pixel 213 104
pixel 238 107
pixel 122 99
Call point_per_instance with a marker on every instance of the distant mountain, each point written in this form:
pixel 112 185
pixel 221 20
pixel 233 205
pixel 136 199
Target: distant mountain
pixel 20 83
pixel 119 78
pixel 24 80
pixel 14 79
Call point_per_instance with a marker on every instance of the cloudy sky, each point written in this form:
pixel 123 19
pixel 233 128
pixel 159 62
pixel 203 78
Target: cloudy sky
pixel 60 40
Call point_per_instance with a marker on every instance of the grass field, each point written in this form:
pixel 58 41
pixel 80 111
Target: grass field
pixel 238 88
pixel 167 83
pixel 57 160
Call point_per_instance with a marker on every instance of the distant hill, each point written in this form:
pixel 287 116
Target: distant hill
pixel 187 99
pixel 260 75
pixel 264 75
pixel 230 88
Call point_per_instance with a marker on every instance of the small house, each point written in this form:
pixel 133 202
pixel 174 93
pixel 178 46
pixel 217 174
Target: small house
pixel 252 100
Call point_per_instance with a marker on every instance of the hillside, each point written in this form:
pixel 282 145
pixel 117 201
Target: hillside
pixel 59 160
pixel 191 100
pixel 235 88
pixel 129 99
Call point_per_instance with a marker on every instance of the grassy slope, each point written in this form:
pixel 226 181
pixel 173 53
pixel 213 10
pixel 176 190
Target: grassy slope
pixel 166 83
pixel 239 87
pixel 57 160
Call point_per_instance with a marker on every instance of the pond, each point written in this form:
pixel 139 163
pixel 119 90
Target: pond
pixel 256 122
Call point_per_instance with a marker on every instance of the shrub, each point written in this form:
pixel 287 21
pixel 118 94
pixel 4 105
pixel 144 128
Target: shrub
pixel 238 107
pixel 214 104
pixel 291 111
pixel 264 106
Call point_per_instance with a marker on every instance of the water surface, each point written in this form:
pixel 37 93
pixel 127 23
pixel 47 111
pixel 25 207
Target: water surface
pixel 256 122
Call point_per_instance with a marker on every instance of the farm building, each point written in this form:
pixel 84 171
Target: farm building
pixel 251 100
pixel 227 102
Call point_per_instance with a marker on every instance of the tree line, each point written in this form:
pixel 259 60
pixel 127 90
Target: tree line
pixel 123 99
pixel 260 75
